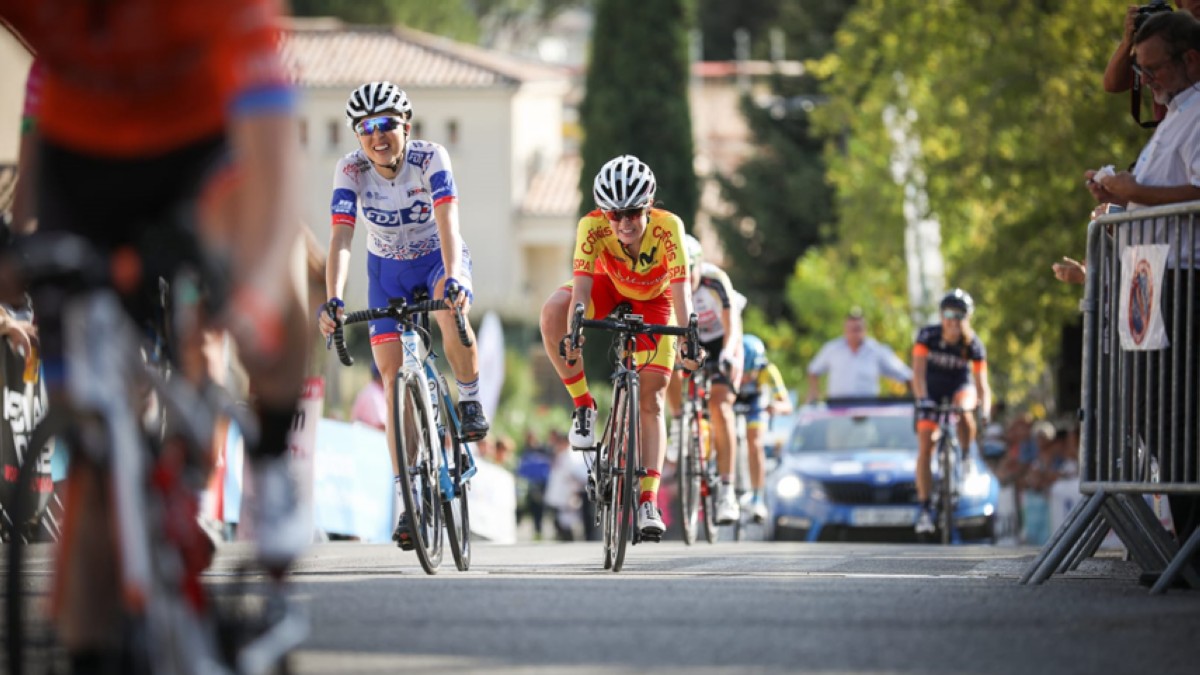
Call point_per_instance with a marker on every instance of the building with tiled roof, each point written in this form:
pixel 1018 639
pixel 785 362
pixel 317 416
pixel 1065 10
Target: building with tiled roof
pixel 500 118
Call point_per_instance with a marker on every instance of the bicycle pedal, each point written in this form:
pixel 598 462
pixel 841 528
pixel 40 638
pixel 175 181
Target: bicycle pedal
pixel 651 536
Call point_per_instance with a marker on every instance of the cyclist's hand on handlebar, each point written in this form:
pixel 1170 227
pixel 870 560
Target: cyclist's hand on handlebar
pixel 692 365
pixel 565 351
pixel 329 316
pixel 456 294
pixel 925 404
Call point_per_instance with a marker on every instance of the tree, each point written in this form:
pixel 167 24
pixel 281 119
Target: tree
pixel 1006 101
pixel 781 202
pixel 636 101
pixel 450 18
pixel 779 196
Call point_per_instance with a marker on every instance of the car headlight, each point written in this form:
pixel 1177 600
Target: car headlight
pixel 977 484
pixel 789 487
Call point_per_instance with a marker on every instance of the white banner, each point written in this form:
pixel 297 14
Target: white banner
pixel 1140 321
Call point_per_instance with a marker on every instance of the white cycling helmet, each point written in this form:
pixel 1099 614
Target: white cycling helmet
pixel 695 252
pixel 374 98
pixel 624 183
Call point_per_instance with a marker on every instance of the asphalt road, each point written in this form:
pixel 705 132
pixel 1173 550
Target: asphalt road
pixel 735 608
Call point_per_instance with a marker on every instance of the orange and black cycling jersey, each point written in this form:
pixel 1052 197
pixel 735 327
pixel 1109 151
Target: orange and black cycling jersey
pixel 129 78
pixel 644 276
pixel 948 365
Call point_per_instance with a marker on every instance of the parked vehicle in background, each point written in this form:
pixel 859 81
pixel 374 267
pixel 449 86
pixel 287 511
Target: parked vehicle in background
pixel 848 473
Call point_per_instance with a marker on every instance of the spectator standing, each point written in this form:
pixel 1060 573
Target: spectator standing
pixel 854 363
pixel 534 470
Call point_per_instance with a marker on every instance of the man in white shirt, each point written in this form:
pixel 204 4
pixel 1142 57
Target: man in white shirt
pixel 854 363
pixel 1167 55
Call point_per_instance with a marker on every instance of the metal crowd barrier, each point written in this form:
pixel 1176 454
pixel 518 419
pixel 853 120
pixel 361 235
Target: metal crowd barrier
pixel 1140 416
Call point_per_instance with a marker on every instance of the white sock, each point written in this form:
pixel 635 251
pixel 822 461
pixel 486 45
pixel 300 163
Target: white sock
pixel 468 391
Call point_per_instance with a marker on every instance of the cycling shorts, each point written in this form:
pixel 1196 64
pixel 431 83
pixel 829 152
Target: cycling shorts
pixel 149 205
pixel 964 398
pixel 752 409
pixel 712 364
pixel 655 353
pixel 388 279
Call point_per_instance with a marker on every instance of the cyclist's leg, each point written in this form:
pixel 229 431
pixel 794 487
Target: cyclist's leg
pixel 925 428
pixel 388 279
pixel 464 361
pixel 553 322
pixel 966 399
pixel 756 421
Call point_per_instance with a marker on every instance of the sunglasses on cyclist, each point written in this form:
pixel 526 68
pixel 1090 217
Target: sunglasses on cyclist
pixel 618 216
pixel 953 315
pixel 370 126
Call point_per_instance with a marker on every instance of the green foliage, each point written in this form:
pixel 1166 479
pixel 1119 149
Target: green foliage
pixel 449 18
pixel 1006 101
pixel 807 27
pixel 781 202
pixel 636 101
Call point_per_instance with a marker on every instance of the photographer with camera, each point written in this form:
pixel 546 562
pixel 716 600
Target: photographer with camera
pixel 1118 74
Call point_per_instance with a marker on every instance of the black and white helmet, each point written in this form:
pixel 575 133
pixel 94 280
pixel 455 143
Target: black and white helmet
pixel 374 98
pixel 624 183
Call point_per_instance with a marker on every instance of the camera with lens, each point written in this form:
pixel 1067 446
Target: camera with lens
pixel 1144 12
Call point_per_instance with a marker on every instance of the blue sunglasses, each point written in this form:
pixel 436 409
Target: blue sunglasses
pixel 384 124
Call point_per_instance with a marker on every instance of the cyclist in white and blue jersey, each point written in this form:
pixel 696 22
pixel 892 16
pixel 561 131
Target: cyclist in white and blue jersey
pixel 408 201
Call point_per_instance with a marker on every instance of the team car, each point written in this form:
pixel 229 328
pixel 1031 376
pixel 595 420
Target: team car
pixel 848 473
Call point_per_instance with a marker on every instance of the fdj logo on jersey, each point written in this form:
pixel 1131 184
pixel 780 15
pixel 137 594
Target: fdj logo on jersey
pixel 381 217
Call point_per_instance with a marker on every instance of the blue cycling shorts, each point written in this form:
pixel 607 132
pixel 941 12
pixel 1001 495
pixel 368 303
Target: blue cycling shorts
pixel 387 279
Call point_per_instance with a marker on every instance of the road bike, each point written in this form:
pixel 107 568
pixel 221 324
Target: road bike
pixel 614 464
pixel 696 469
pixel 133 553
pixel 947 478
pixel 427 432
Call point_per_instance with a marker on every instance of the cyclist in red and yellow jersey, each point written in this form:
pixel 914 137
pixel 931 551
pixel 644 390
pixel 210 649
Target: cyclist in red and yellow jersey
pixel 173 117
pixel 626 251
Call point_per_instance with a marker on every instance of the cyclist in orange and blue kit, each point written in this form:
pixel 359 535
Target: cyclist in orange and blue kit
pixel 949 364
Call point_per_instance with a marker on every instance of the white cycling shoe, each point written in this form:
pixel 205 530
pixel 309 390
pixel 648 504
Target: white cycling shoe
pixel 728 510
pixel 583 428
pixel 650 520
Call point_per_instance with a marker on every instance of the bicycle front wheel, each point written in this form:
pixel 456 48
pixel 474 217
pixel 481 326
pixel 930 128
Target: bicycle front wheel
pixel 412 418
pixel 707 462
pixel 626 469
pixel 688 472
pixel 945 520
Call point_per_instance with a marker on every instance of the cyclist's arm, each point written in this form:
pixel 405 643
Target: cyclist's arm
pixel 581 294
pixel 781 403
pixel 446 214
pixel 982 387
pixel 338 262
pixel 681 301
pixel 24 208
pixel 920 358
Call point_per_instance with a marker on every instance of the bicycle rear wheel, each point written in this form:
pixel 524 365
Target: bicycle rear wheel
pixel 411 422
pixel 688 472
pixel 626 469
